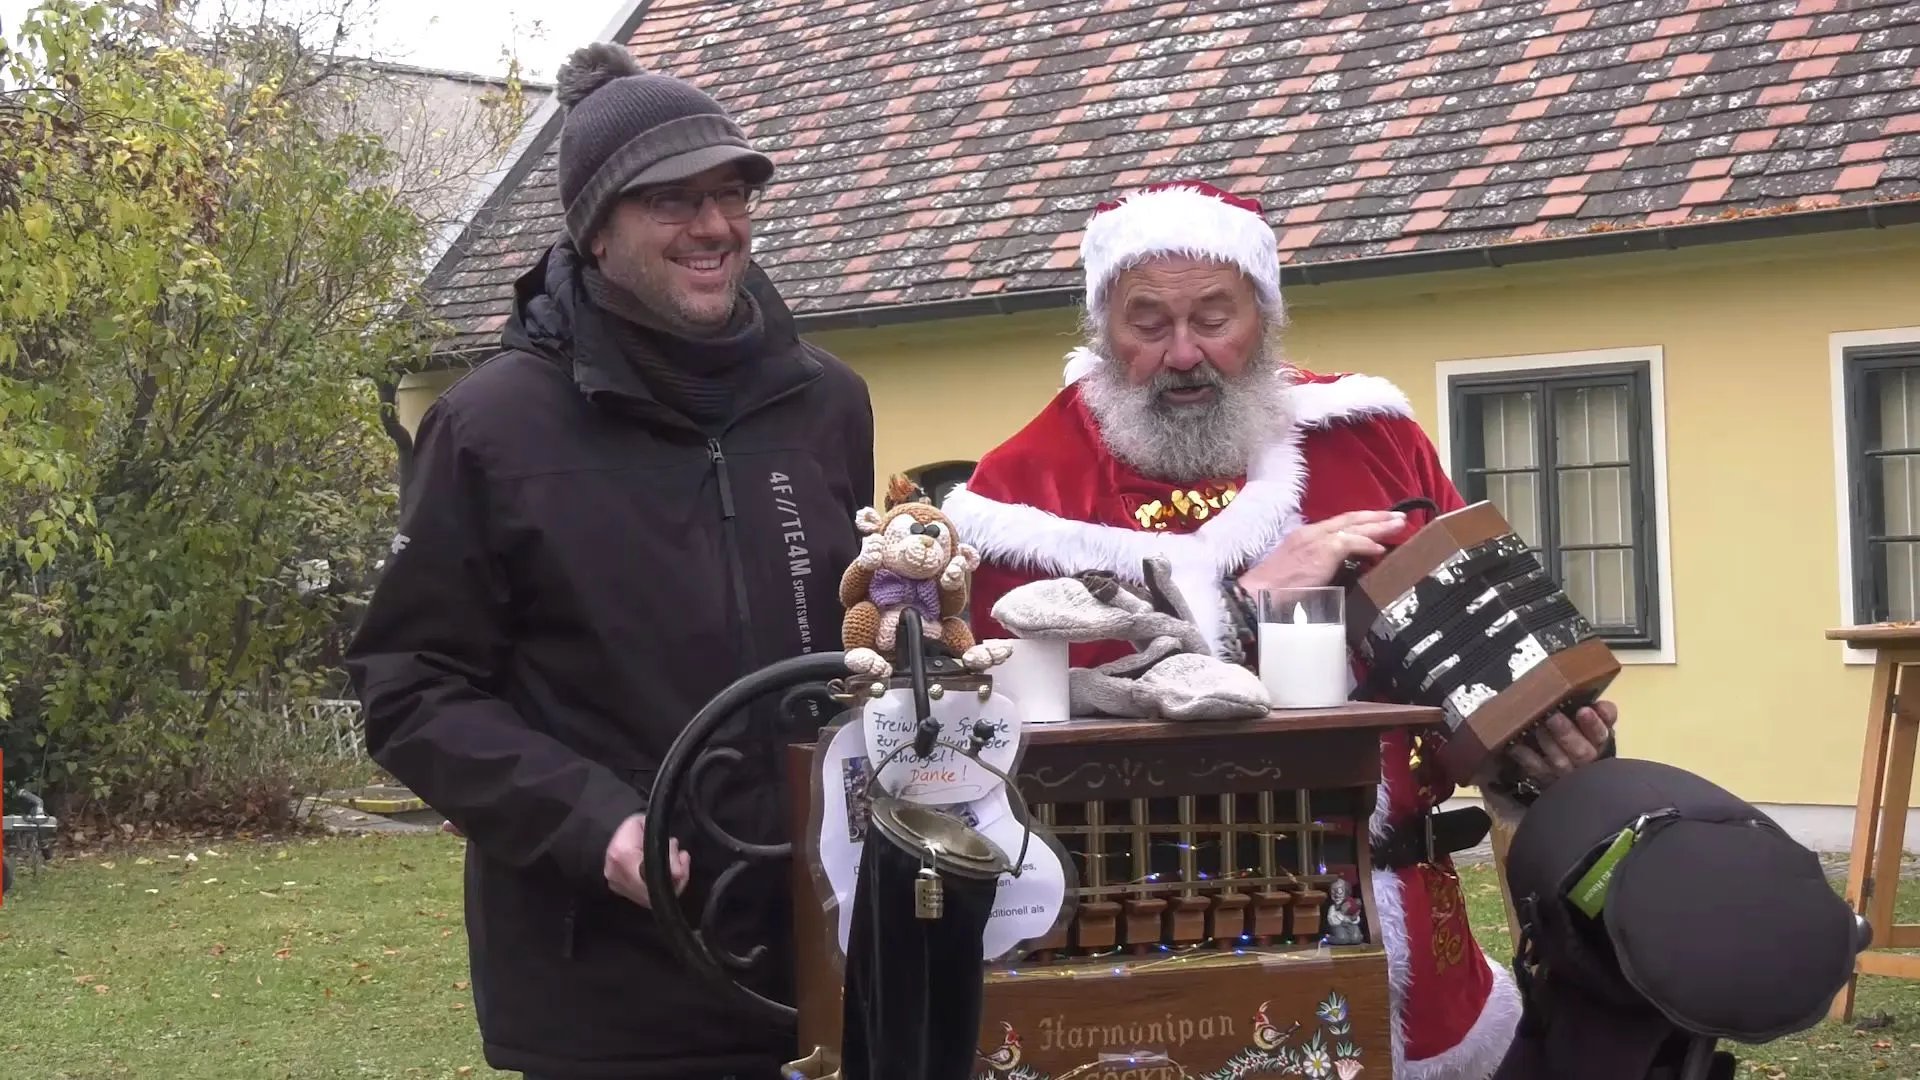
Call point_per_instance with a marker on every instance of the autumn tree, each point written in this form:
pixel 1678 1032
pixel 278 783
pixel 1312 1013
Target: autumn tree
pixel 203 278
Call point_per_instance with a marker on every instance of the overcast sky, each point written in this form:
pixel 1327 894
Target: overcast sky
pixel 458 35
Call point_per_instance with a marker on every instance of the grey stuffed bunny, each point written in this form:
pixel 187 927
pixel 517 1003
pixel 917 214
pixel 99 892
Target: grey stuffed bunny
pixel 1170 675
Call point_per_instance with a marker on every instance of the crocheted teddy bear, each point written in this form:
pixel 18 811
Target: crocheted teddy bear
pixel 910 558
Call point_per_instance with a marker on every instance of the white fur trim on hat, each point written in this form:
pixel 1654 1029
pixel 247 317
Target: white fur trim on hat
pixel 1179 220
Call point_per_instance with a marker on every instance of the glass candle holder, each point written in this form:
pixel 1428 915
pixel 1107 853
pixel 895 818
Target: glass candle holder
pixel 1303 647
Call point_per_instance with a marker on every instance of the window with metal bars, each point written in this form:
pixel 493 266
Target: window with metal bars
pixel 938 481
pixel 1567 456
pixel 1882 388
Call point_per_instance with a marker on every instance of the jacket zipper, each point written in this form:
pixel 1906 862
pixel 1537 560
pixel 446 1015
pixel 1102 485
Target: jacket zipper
pixel 732 539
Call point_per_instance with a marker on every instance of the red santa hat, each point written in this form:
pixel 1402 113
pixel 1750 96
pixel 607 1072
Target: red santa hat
pixel 1184 217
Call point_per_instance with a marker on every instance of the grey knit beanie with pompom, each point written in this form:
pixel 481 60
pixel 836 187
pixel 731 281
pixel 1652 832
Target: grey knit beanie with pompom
pixel 626 128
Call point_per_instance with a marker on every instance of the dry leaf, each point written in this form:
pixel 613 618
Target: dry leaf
pixel 327 992
pixel 460 1005
pixel 216 995
pixel 390 952
pixel 100 988
pixel 282 954
pixel 358 964
pixel 218 948
pixel 461 985
pixel 464 1070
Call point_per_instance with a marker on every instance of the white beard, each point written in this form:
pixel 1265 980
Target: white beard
pixel 1212 440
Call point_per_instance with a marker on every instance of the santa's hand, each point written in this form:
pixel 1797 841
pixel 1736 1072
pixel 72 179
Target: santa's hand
pixel 1311 555
pixel 1566 745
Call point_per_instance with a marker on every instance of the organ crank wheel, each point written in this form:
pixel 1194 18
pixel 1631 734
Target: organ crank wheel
pixel 682 791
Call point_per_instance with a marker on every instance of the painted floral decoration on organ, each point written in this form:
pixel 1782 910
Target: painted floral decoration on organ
pixel 910 558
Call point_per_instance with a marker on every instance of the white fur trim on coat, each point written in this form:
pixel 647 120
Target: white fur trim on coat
pixel 1480 1051
pixel 1025 538
pixel 1179 221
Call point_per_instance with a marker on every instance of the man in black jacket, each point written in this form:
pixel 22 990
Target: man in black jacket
pixel 648 494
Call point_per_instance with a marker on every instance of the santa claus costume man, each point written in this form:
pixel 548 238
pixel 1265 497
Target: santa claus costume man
pixel 1181 433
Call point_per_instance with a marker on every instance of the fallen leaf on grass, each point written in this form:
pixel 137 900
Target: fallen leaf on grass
pixel 282 954
pixel 459 1005
pixel 461 985
pixel 358 964
pixel 218 948
pixel 100 988
pixel 464 1070
pixel 390 952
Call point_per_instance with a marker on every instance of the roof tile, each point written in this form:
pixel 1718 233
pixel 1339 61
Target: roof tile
pixel 933 150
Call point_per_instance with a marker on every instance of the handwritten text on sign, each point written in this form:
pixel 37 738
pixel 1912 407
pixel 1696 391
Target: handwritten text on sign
pixel 946 776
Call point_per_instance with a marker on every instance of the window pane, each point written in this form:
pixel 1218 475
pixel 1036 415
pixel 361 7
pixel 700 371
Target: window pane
pixel 1592 426
pixel 1898 479
pixel 1897 565
pixel 1517 497
pixel 1596 506
pixel 1508 426
pixel 1893 424
pixel 1898 392
pixel 1603 585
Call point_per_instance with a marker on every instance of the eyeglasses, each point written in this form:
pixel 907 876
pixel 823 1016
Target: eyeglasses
pixel 679 205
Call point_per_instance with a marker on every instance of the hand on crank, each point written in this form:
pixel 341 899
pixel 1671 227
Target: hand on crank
pixel 624 870
pixel 1566 745
pixel 1312 554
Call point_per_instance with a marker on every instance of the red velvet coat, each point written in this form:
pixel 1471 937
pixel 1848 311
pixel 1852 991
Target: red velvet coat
pixel 1052 501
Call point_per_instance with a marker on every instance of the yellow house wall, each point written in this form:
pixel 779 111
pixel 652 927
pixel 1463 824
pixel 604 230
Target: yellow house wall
pixel 1756 699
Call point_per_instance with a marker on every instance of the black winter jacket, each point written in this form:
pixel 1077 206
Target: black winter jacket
pixel 578 571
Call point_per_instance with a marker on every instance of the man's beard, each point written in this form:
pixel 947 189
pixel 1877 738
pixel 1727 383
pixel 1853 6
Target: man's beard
pixel 1209 440
pixel 648 277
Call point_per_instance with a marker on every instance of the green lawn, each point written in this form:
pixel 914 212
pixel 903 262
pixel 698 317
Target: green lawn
pixel 345 958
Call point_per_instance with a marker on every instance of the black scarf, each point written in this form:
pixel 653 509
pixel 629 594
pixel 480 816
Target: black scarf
pixel 695 371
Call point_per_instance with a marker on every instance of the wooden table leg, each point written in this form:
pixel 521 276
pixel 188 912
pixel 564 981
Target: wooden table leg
pixel 1501 837
pixel 1873 768
pixel 1890 842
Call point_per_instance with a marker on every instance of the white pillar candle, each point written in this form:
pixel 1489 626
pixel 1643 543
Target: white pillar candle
pixel 1035 679
pixel 1304 664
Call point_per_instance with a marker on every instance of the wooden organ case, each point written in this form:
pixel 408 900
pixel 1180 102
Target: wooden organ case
pixel 1198 941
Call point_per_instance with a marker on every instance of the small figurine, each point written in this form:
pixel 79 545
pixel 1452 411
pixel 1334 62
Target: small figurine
pixel 910 558
pixel 1343 915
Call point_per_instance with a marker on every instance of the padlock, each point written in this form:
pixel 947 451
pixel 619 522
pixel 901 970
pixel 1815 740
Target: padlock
pixel 929 896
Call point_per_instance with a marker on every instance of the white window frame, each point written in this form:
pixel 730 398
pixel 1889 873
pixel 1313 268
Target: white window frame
pixel 1653 356
pixel 1838 345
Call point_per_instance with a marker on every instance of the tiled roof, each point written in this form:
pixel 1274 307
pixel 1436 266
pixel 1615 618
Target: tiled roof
pixel 935 150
